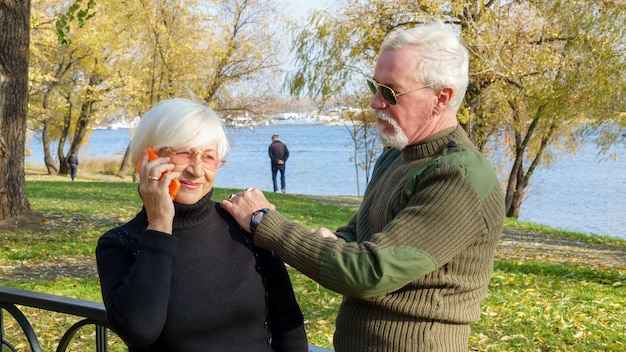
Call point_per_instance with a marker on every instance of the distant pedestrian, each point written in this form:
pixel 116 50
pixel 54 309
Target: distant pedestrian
pixel 73 161
pixel 279 154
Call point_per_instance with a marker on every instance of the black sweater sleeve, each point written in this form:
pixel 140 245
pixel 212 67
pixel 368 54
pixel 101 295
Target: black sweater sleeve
pixel 286 320
pixel 135 286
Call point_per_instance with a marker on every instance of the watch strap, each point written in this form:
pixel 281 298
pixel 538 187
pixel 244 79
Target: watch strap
pixel 256 218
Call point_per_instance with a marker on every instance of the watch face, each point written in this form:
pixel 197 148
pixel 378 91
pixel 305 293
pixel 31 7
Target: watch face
pixel 259 215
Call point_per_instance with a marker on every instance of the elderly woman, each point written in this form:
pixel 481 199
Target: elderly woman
pixel 182 275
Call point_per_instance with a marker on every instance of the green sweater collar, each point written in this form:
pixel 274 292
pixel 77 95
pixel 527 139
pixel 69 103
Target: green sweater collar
pixel 432 145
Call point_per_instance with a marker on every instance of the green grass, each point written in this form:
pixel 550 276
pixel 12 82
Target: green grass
pixel 531 306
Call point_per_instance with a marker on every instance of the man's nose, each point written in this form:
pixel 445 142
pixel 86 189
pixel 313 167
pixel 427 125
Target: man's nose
pixel 378 102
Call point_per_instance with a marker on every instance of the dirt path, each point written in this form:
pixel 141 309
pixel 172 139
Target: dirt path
pixel 519 245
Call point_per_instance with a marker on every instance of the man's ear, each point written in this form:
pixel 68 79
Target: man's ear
pixel 444 96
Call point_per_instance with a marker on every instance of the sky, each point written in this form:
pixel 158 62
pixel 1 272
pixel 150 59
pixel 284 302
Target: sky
pixel 300 8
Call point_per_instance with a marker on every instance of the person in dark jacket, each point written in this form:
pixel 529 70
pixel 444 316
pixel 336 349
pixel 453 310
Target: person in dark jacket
pixel 278 154
pixel 73 162
pixel 182 275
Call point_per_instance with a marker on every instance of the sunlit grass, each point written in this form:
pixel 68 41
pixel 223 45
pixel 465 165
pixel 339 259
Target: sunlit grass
pixel 552 307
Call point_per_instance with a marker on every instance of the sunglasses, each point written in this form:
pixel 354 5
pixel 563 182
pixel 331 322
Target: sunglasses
pixel 387 93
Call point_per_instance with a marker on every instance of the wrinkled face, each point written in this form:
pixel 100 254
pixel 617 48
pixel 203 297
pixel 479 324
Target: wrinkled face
pixel 411 118
pixel 197 167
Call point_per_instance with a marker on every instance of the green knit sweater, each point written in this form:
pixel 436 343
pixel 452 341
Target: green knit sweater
pixel 415 261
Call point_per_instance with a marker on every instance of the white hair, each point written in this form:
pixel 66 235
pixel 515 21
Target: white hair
pixel 443 60
pixel 179 122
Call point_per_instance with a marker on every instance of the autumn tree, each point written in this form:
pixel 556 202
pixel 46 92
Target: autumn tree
pixel 333 56
pixel 543 72
pixel 540 70
pixel 60 109
pixel 216 51
pixel 14 42
pixel 247 49
pixel 122 63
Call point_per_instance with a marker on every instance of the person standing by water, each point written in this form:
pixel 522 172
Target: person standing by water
pixel 278 153
pixel 182 275
pixel 73 162
pixel 414 262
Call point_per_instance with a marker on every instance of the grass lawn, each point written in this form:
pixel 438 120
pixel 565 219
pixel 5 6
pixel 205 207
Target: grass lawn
pixel 537 305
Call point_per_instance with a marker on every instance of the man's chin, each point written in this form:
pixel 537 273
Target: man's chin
pixel 390 135
pixel 392 140
pixel 385 129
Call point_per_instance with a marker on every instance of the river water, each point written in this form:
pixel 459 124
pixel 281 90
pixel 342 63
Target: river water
pixel 580 193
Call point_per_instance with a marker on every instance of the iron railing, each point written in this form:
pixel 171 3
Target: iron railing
pixel 93 313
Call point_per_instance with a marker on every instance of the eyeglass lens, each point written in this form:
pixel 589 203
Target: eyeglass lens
pixel 187 156
pixel 387 93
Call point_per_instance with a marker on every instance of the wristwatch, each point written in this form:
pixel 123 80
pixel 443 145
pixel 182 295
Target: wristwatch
pixel 257 216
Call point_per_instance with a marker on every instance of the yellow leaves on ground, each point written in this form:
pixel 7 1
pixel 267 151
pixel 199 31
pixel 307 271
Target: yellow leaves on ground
pixel 551 307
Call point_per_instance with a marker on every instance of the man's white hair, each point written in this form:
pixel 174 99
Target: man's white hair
pixel 443 60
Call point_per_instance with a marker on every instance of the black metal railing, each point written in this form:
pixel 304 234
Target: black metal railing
pixel 93 313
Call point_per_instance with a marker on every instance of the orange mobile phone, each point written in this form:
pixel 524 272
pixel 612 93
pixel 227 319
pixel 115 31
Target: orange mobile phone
pixel 174 185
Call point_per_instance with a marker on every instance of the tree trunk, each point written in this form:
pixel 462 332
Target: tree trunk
pixel 80 133
pixel 14 52
pixel 125 164
pixel 515 190
pixel 64 168
pixel 45 141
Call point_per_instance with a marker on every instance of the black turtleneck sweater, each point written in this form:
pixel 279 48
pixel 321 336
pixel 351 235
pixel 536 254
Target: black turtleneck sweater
pixel 203 288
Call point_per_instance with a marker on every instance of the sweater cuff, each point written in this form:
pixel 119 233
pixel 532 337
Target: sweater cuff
pixel 158 241
pixel 265 235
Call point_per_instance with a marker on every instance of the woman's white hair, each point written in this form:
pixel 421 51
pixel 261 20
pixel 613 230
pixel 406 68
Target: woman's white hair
pixel 443 60
pixel 179 122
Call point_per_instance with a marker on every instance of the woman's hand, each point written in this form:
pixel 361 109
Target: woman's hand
pixel 154 191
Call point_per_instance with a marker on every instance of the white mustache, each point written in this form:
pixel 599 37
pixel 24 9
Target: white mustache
pixel 383 115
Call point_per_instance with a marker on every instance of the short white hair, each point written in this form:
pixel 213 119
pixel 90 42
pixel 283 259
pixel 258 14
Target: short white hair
pixel 443 60
pixel 179 122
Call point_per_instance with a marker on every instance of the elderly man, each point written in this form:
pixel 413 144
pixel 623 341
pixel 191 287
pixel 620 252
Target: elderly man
pixel 414 262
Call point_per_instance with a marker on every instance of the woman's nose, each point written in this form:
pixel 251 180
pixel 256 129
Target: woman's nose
pixel 195 166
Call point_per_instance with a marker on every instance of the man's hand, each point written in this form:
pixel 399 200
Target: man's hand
pixel 324 232
pixel 241 205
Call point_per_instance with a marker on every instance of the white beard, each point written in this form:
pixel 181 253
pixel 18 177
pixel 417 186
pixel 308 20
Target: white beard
pixel 396 139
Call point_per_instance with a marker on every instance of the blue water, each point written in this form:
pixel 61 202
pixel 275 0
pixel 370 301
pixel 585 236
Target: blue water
pixel 581 193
